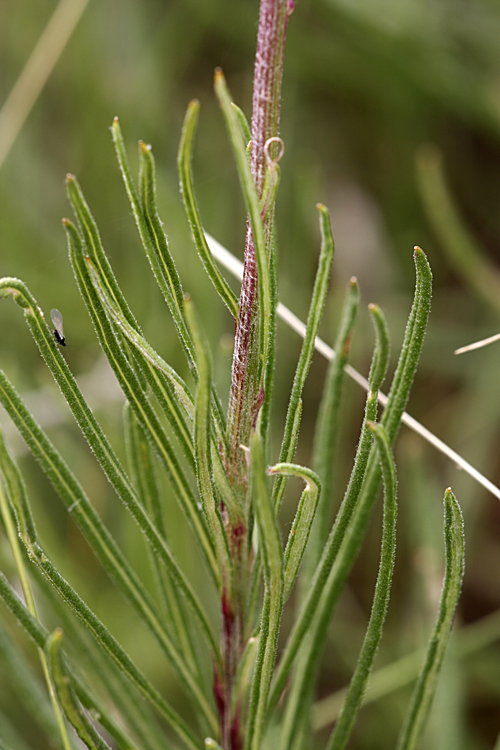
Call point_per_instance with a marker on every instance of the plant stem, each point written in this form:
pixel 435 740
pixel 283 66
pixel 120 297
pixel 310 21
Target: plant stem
pixel 244 398
pixel 249 367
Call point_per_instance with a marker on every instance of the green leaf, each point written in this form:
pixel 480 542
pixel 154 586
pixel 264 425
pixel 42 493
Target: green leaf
pixel 143 471
pixel 244 125
pixel 99 538
pixel 15 491
pixel 359 680
pixel 153 428
pixel 67 699
pixel 320 291
pixel 103 636
pixel 204 474
pixel 301 527
pixel 339 554
pixel 270 543
pixel 39 635
pixel 152 235
pixel 156 247
pixel 425 688
pixel 186 179
pixel 328 422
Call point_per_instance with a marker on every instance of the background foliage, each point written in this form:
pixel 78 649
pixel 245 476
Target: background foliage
pixel 366 85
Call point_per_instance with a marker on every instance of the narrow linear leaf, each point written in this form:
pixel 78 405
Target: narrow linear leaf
pixel 153 238
pixel 336 563
pixel 186 180
pixel 202 448
pixel 7 503
pixel 170 390
pixel 244 125
pixel 40 635
pixel 25 683
pixel 103 451
pixel 359 681
pixel 99 538
pixel 425 688
pixel 270 543
pixel 134 714
pixel 328 423
pixel 304 517
pixel 67 699
pixel 35 552
pixel 94 246
pixel 156 247
pixel 179 405
pixel 141 462
pixel 292 425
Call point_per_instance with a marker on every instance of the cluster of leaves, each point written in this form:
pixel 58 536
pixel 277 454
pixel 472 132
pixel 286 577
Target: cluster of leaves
pixel 246 693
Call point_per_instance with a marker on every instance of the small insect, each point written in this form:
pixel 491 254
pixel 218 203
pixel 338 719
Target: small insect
pixel 57 322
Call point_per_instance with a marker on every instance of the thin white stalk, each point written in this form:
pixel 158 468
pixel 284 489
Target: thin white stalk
pixel 236 268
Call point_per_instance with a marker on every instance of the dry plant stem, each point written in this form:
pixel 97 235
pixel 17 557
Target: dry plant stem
pixel 246 393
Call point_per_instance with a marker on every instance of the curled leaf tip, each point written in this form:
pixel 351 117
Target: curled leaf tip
pixel 267 147
pixel 372 306
pixel 320 206
pixel 65 222
pixel 115 120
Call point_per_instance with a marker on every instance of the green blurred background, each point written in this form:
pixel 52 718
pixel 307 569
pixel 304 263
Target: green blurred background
pixel 367 84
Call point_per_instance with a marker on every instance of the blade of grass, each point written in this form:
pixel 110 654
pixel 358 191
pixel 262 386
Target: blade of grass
pixel 391 677
pixel 184 160
pixel 425 688
pixel 359 681
pixel 463 252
